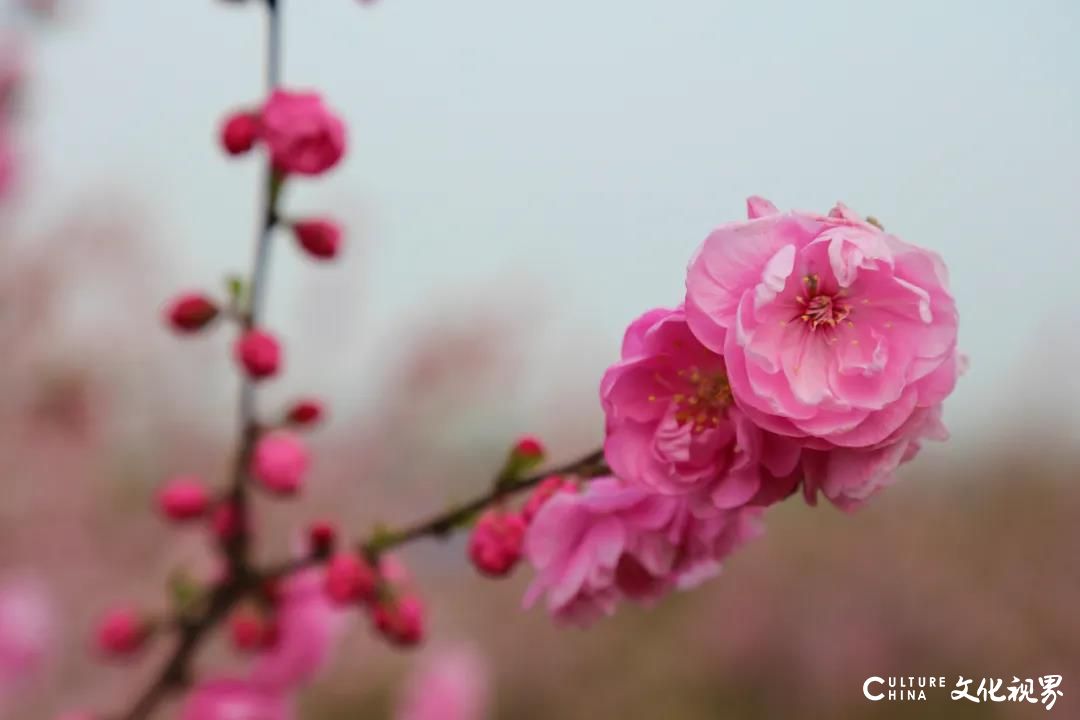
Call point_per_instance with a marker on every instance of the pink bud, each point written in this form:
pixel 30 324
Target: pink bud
pixel 250 631
pixel 526 454
pixel 226 522
pixel 400 620
pixel 121 631
pixel 280 462
pixel 259 353
pixel 322 536
pixel 305 412
pixel 529 448
pixel 238 133
pixel 183 498
pixel 350 579
pixel 544 491
pixel 319 236
pixel 190 312
pixel 496 542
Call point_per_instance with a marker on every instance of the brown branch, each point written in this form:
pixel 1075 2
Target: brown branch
pixel 241 578
pixel 442 524
pixel 456 517
pixel 175 673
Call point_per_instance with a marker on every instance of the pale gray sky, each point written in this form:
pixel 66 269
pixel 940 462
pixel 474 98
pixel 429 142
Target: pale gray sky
pixel 584 148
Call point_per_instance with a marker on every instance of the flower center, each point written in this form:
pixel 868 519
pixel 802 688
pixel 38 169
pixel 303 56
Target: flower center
pixel 821 308
pixel 708 397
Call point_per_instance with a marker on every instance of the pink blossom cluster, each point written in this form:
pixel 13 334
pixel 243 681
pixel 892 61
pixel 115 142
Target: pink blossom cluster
pixel 383 589
pixel 810 350
pixel 286 623
pixel 290 639
pixel 288 632
pixel 300 133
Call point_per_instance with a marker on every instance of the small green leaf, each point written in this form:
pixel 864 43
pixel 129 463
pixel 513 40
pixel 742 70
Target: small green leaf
pixel 237 288
pixel 184 591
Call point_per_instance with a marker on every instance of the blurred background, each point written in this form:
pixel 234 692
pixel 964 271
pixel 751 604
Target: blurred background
pixel 522 181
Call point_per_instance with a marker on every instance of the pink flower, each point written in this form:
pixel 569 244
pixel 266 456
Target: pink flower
pixel 239 132
pixel 321 238
pixel 832 330
pixel 122 631
pixel 848 476
pixel 235 700
pixel 280 462
pixel 307 627
pixel 451 685
pixel 259 353
pixel 672 424
pixel 191 312
pixel 183 498
pixel 615 540
pixel 496 542
pixel 303 136
pixel 26 631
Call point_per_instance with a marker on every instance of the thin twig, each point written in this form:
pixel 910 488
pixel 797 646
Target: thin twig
pixel 446 522
pixel 241 578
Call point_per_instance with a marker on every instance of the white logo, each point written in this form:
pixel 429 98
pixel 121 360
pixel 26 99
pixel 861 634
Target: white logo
pixel 899 689
pixel 912 688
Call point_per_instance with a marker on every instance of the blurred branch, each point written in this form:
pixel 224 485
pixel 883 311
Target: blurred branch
pixel 237 586
pixel 241 578
pixel 175 673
